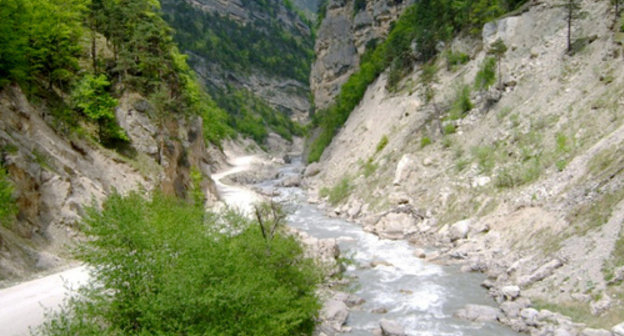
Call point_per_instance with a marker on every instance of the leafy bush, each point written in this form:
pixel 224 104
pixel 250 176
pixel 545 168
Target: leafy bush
pixel 383 142
pixel 449 128
pixel 486 76
pixel 485 156
pixel 8 208
pixel 161 266
pixel 338 192
pixel 369 167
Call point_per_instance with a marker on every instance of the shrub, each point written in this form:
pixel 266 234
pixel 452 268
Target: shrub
pixel 424 142
pixel 485 157
pixel 161 266
pixel 449 128
pixel 462 103
pixel 338 192
pixel 454 59
pixel 383 142
pixel 369 167
pixel 486 76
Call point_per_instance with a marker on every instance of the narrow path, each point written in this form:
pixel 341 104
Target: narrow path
pixel 237 197
pixel 24 305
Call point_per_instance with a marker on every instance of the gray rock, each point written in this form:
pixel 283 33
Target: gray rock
pixel 291 181
pixel 335 313
pixel 600 306
pixel 595 332
pixel 541 273
pixel 618 330
pixel 529 315
pixel 512 308
pixel 312 169
pixel 563 332
pixel 405 166
pixel 391 328
pixel 479 313
pixel 420 253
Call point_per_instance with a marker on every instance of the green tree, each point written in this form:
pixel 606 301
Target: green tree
pixel 572 12
pixel 90 96
pixel 13 41
pixel 498 49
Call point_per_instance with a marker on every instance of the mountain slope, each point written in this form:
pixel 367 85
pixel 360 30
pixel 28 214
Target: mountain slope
pixel 524 183
pixel 260 50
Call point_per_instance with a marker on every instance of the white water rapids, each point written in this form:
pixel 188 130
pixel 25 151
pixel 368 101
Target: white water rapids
pixel 420 296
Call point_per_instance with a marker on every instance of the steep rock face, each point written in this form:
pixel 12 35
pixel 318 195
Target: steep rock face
pixel 342 38
pixel 284 93
pixel 527 186
pixel 57 176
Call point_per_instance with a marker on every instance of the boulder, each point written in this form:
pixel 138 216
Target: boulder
pixel 510 292
pixel 335 313
pixel 394 225
pixel 541 273
pixel 291 181
pixel 561 331
pixel 419 253
pixel 478 313
pixel 618 330
pixel 595 332
pixel 404 168
pixel 600 306
pixel 312 169
pixel 529 315
pixel 460 229
pixel 391 328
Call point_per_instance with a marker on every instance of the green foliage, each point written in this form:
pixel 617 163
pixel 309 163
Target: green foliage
pixel 8 208
pixel 253 117
pixel 449 128
pixel 90 96
pixel 339 192
pixel 428 77
pixel 39 40
pixel 424 142
pixel 369 167
pixel 462 103
pixel 383 142
pixel 454 59
pixel 485 156
pixel 359 5
pixel 260 44
pixel 486 76
pixel 162 266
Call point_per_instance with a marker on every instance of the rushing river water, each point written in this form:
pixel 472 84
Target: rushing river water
pixel 420 296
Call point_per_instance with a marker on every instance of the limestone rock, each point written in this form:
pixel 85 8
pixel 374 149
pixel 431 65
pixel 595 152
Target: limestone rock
pixel 312 169
pixel 405 166
pixel 291 181
pixel 595 332
pixel 541 273
pixel 510 292
pixel 335 313
pixel 460 229
pixel 479 313
pixel 618 330
pixel 391 328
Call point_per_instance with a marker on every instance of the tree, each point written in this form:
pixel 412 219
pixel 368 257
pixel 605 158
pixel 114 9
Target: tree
pixel 573 12
pixel 498 49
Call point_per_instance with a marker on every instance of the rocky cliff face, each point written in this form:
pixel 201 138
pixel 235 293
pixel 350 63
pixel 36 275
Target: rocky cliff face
pixel 342 38
pixel 527 187
pixel 56 176
pixel 287 94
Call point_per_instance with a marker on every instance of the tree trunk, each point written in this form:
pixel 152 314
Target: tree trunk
pixel 93 52
pixel 570 9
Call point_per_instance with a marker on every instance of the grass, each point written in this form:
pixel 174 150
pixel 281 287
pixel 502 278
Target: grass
pixel 485 156
pixel 580 312
pixel 449 129
pixel 425 141
pixel 368 167
pixel 338 192
pixel 596 213
pixel 606 160
pixel 383 142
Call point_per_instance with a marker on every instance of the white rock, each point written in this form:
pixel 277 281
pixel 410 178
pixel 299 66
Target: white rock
pixel 460 229
pixel 510 292
pixel 312 169
pixel 618 330
pixel 391 328
pixel 420 253
pixel 404 167
pixel 595 332
pixel 478 313
pixel 335 313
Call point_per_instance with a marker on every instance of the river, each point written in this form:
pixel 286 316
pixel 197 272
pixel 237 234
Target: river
pixel 419 295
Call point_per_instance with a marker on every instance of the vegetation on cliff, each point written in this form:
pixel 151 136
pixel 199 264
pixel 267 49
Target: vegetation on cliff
pixel 414 38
